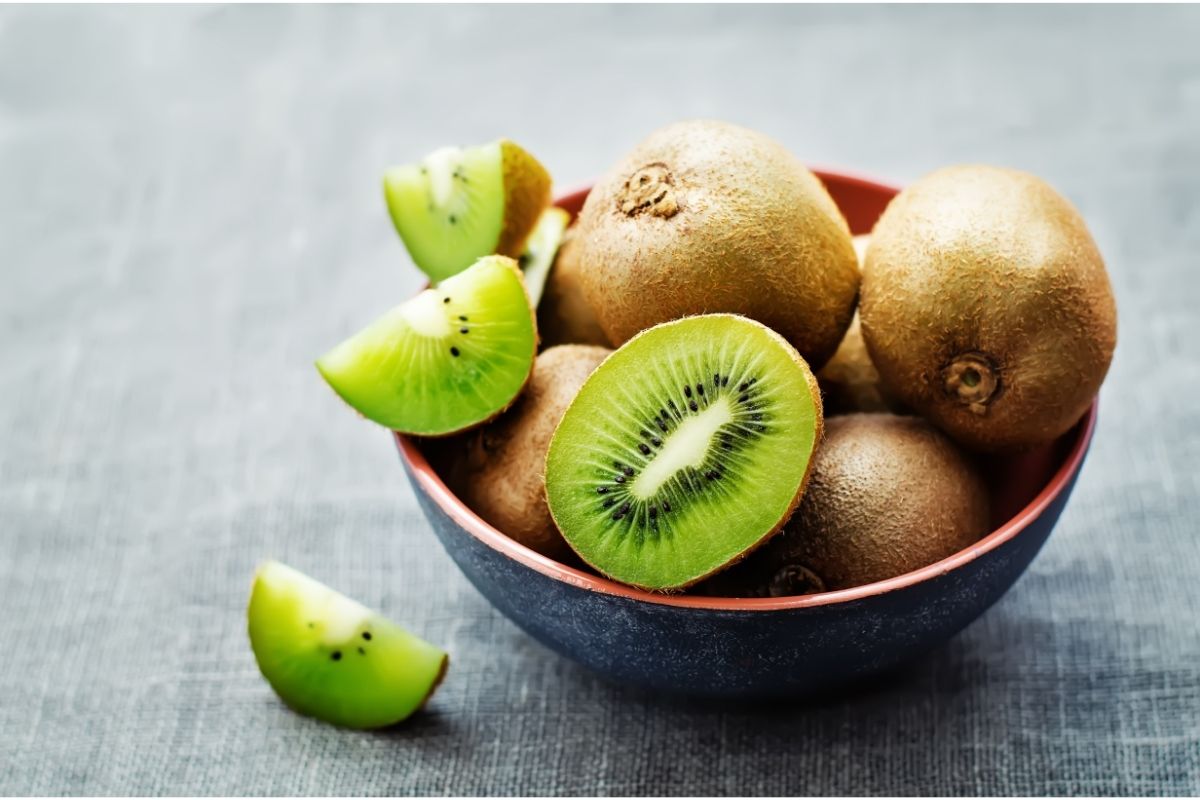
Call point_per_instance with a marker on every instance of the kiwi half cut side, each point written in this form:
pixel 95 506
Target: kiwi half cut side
pixel 329 657
pixel 458 205
pixel 448 359
pixel 684 450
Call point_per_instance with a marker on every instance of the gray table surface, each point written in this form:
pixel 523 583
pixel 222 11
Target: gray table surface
pixel 190 212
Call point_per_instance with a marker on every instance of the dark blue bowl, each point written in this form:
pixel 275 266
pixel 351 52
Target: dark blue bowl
pixel 790 646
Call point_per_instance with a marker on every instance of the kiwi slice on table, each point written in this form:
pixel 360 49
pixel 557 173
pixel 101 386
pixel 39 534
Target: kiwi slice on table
pixel 460 204
pixel 540 250
pixel 448 359
pixel 684 450
pixel 329 657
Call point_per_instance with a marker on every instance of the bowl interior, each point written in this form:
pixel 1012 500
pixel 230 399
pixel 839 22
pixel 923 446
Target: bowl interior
pixel 1020 485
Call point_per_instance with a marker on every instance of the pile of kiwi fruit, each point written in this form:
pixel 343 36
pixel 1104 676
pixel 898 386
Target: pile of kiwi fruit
pixel 705 383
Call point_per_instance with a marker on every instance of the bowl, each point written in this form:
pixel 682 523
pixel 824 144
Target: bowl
pixel 761 647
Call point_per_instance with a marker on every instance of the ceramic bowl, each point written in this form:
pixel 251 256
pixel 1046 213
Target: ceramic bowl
pixel 773 647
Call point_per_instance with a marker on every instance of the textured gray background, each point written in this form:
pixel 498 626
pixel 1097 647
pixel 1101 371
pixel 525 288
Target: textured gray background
pixel 190 212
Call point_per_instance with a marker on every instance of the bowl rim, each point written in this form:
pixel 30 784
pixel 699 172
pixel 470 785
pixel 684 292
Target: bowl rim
pixel 432 485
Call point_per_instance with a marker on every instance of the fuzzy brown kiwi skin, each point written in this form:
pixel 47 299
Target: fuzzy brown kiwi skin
pixel 986 307
pixel 889 495
pixel 527 189
pixel 564 316
pixel 815 392
pixel 849 381
pixel 437 682
pixel 502 474
pixel 705 216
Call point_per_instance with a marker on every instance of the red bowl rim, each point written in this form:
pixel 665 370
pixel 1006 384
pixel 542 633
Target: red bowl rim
pixel 433 486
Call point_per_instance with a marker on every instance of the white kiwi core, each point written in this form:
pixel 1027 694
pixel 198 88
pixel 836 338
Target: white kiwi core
pixel 441 165
pixel 686 446
pixel 426 315
pixel 338 616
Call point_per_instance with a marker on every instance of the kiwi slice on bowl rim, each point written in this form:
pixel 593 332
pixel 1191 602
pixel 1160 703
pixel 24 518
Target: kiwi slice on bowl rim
pixel 460 204
pixel 540 250
pixel 684 450
pixel 448 359
pixel 564 315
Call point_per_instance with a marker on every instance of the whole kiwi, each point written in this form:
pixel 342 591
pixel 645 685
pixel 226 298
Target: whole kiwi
pixel 564 316
pixel 706 216
pixel 888 495
pixel 986 306
pixel 501 476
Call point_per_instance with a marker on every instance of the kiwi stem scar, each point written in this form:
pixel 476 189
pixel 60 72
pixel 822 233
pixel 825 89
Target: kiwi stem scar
pixel 973 379
pixel 686 446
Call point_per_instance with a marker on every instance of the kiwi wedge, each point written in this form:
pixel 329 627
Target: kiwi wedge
pixel 986 307
pixel 687 448
pixel 540 250
pixel 446 360
pixel 329 657
pixel 460 204
pixel 888 495
pixel 564 316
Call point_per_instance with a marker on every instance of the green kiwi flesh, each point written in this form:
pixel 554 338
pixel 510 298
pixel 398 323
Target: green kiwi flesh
pixel 458 205
pixel 446 360
pixel 684 450
pixel 540 250
pixel 888 495
pixel 329 657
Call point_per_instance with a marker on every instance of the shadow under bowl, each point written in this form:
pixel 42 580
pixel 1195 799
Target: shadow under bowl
pixel 761 647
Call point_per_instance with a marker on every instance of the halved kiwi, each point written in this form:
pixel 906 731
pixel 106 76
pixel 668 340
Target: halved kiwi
pixel 329 657
pixel 461 204
pixel 448 359
pixel 684 450
pixel 540 250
